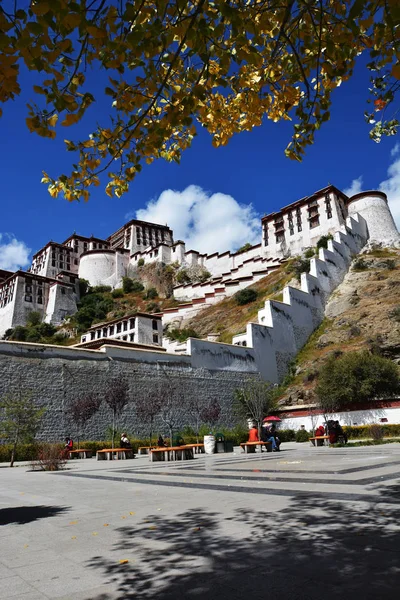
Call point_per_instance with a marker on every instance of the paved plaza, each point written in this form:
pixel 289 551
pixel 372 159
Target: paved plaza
pixel 307 523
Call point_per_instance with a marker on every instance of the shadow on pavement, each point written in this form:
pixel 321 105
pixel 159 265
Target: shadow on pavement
pixel 27 514
pixel 313 549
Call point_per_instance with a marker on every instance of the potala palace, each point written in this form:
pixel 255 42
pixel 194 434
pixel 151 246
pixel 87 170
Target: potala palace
pixel 132 346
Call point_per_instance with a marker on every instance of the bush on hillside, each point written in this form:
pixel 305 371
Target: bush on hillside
pixel 299 266
pixel 323 241
pixel 151 294
pixel 244 248
pixel 245 296
pixel 117 293
pixel 153 307
pixel 359 264
pixel 140 262
pixel 129 285
pixel 180 335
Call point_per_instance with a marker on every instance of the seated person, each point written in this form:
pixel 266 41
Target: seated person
pixel 125 443
pixel 341 434
pixel 268 433
pixel 69 444
pixel 320 431
pixel 160 442
pixel 253 434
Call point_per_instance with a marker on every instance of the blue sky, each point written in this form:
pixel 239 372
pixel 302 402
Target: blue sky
pixel 215 214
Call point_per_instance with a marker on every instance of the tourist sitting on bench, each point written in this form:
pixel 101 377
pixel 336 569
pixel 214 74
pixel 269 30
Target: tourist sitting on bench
pixel 320 431
pixel 125 443
pixel 253 434
pixel 69 444
pixel 160 442
pixel 268 435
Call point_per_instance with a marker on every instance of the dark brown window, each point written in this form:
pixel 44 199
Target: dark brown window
pixel 155 326
pixel 155 339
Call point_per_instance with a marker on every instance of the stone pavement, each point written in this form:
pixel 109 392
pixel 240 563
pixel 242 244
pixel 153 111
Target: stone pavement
pixel 308 523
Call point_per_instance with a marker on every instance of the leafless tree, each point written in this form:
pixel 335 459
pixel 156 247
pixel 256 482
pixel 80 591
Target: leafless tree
pixel 211 412
pixel 148 406
pixel 82 409
pixel 255 400
pixel 116 397
pixel 174 402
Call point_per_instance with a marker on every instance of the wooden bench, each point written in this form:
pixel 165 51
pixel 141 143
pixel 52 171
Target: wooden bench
pixel 324 439
pixel 197 448
pixel 249 447
pixel 81 453
pixel 145 449
pixel 171 453
pixel 114 453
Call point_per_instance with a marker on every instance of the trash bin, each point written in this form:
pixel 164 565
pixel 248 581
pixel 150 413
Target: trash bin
pixel 209 444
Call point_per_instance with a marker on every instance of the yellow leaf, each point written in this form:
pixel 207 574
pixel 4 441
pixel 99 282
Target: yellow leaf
pixel 73 522
pixel 72 20
pixel 85 195
pixel 123 561
pixel 105 525
pixel 53 120
pixel 70 119
pixel 131 513
pixel 396 71
pixel 94 533
pixel 40 8
pixel 96 32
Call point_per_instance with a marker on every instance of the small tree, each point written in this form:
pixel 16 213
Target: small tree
pixel 19 419
pixel 211 413
pixel 82 409
pixel 355 378
pixel 148 407
pixel 196 408
pixel 116 397
pixel 255 400
pixel 173 403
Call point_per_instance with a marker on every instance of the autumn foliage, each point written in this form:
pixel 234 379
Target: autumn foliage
pixel 169 66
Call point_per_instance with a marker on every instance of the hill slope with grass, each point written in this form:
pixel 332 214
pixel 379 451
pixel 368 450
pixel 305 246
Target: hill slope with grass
pixel 363 313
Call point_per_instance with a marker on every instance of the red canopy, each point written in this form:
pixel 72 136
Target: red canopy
pixel 271 419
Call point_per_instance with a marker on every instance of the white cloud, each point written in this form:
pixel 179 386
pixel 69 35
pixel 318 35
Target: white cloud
pixel 13 254
pixel 355 187
pixel 205 222
pixel 391 187
pixel 395 150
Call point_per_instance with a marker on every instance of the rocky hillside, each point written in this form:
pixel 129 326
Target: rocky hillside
pixel 362 313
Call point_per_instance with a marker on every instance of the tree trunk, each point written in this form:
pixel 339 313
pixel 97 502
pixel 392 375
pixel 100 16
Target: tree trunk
pixel 170 435
pixel 113 430
pixel 14 449
pixel 151 430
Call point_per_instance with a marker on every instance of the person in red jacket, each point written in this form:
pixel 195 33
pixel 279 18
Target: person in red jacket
pixel 320 431
pixel 253 434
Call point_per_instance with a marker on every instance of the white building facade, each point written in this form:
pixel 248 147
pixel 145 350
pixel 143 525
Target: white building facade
pixel 137 328
pixel 56 267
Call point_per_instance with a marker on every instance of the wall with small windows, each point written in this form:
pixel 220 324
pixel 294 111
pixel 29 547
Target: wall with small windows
pixel 139 328
pixel 301 224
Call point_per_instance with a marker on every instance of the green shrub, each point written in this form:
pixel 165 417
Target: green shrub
pixel 245 296
pixel 244 248
pixel 117 293
pixel 299 266
pixel 183 277
pixel 287 435
pixel 323 241
pixel 181 335
pixel 302 435
pixel 359 264
pixel 140 262
pixel 151 294
pixel 129 285
pixel 310 253
pixel 395 314
pixel 355 432
pixel 153 307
